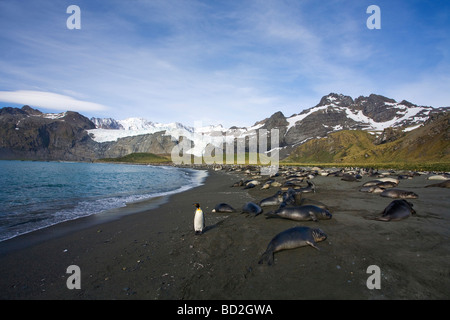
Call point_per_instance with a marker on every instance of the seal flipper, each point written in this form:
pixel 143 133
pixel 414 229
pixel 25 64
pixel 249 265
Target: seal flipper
pixel 312 244
pixel 267 256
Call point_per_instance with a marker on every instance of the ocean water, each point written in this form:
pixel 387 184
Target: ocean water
pixel 34 195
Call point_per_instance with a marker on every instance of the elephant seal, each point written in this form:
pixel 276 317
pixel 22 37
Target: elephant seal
pixel 397 193
pixel 384 179
pixel 319 204
pixel 292 238
pixel 371 189
pixel 267 184
pixel 397 210
pixel 240 183
pixel 301 213
pixel 443 184
pixel 351 177
pixel 292 197
pixel 310 188
pixel 371 183
pixel 223 208
pixel 251 207
pixel 386 184
pixel 439 177
pixel 274 200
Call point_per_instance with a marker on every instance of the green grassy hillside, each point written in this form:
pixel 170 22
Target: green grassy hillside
pixel 425 147
pixel 140 158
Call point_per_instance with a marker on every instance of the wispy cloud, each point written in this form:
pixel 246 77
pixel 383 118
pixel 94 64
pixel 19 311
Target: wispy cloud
pixel 48 100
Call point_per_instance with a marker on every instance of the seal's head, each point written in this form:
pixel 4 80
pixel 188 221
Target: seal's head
pixel 325 214
pixel 318 235
pixel 408 195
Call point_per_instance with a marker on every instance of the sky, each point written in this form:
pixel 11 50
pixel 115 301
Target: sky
pixel 229 62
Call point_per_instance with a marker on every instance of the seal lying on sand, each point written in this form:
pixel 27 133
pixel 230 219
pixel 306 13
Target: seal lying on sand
pixel 310 188
pixel 397 210
pixel 301 213
pixel 371 189
pixel 397 193
pixel 443 184
pixel 223 207
pixel 292 238
pixel 251 207
pixel 274 200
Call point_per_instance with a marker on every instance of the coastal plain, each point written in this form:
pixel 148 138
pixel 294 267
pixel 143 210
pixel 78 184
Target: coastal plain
pixel 154 254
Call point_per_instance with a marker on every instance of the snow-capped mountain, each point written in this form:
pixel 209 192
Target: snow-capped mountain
pixel 333 113
pixel 108 129
pixel 27 133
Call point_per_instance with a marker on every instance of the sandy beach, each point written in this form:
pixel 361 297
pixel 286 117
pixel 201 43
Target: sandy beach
pixel 154 254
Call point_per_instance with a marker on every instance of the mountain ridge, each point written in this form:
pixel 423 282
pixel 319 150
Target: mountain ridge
pixel 72 136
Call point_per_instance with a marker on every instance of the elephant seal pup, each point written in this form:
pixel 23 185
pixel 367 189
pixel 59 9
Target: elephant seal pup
pixel 397 210
pixel 439 177
pixel 397 193
pixel 301 213
pixel 371 183
pixel 223 208
pixel 274 200
pixel 350 177
pixel 251 207
pixel 292 238
pixel 386 184
pixel 319 204
pixel 371 189
pixel 310 188
pixel 443 184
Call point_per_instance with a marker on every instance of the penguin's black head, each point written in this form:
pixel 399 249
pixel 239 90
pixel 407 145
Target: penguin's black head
pixel 197 205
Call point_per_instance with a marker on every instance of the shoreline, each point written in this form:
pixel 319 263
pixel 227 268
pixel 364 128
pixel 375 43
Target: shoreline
pixel 65 242
pixel 129 205
pixel 155 255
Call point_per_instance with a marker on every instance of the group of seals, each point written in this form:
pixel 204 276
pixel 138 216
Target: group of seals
pixel 290 206
pixel 386 188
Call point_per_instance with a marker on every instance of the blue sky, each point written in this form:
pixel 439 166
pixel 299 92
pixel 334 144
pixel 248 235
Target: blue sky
pixel 232 62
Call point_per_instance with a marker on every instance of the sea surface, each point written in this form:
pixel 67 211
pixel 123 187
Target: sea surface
pixel 35 195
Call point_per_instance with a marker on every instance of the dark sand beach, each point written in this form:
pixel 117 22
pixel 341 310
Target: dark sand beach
pixel 154 254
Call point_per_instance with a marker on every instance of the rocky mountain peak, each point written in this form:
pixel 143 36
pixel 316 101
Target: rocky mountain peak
pixel 31 111
pixel 336 99
pixel 276 120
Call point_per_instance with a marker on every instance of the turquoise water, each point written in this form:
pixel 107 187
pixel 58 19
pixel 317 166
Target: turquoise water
pixel 34 195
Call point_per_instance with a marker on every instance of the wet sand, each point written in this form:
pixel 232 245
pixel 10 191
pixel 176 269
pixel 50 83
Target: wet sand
pixel 154 254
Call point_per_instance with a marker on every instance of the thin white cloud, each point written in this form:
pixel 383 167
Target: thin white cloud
pixel 49 100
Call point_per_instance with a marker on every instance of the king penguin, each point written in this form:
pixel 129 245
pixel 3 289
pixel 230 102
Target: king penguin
pixel 199 219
